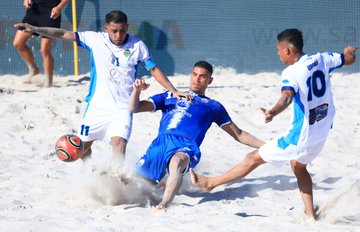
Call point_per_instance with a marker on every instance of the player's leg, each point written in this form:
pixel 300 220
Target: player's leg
pixel 87 150
pixel 119 150
pixel 46 44
pixel 305 186
pixel 250 162
pixel 119 129
pixel 177 167
pixel 19 43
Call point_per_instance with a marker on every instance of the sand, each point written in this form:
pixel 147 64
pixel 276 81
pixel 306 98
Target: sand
pixel 38 192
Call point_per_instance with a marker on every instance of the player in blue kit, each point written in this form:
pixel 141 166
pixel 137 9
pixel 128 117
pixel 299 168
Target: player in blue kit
pixel 115 56
pixel 306 83
pixel 182 129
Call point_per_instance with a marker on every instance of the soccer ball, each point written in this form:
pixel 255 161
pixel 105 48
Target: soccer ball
pixel 69 148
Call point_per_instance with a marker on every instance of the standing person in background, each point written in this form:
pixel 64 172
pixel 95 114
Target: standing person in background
pixel 306 83
pixel 115 56
pixel 41 13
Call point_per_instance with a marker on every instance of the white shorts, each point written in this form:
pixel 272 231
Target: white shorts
pixel 96 123
pixel 273 154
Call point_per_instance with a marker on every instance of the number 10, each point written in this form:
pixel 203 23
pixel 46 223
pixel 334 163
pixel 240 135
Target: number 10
pixel 316 84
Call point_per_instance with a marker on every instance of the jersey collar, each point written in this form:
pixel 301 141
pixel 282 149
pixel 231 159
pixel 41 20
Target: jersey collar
pixel 303 55
pixel 125 41
pixel 195 94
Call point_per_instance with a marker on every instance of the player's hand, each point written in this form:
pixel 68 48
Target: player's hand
pixel 55 13
pixel 140 85
pixel 350 49
pixel 268 115
pixel 27 3
pixel 179 95
pixel 24 27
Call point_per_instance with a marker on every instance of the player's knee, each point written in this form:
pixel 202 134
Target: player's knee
pixel 298 168
pixel 45 51
pixel 119 145
pixel 118 142
pixel 178 163
pixel 253 159
pixel 18 45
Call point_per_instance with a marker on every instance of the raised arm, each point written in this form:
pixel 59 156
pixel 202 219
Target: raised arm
pixel 283 102
pixel 165 82
pixel 349 55
pixel 135 105
pixel 242 136
pixel 56 33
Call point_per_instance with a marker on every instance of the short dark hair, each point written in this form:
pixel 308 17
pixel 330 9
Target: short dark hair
pixel 205 65
pixel 116 16
pixel 292 36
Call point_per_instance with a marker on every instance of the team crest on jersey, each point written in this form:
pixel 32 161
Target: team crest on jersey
pixel 127 53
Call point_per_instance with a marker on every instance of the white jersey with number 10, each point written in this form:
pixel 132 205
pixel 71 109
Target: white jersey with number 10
pixel 314 110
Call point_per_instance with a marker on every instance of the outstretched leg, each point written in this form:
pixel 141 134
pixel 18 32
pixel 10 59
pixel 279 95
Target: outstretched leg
pixel 251 161
pixel 19 43
pixel 177 166
pixel 305 186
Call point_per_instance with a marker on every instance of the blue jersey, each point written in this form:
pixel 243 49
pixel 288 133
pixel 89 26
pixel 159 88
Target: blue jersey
pixel 190 119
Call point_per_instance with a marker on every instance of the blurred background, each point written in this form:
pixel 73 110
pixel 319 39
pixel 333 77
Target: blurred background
pixel 236 34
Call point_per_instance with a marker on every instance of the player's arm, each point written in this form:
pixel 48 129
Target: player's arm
pixel 242 136
pixel 284 101
pixel 56 33
pixel 135 105
pixel 165 82
pixel 349 55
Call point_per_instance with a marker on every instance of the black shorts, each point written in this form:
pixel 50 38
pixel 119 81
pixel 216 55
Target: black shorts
pixel 41 18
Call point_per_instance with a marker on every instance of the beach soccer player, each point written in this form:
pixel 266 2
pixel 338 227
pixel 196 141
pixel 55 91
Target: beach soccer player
pixel 306 85
pixel 183 126
pixel 115 56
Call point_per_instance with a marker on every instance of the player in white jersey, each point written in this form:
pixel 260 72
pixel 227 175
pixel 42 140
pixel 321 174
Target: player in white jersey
pixel 306 84
pixel 115 56
pixel 182 129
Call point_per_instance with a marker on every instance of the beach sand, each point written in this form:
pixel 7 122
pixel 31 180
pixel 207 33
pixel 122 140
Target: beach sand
pixel 38 192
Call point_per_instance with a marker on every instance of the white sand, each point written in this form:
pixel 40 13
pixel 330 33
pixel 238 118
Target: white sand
pixel 38 192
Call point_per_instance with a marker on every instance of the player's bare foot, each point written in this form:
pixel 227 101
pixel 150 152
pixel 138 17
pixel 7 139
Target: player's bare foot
pixel 200 181
pixel 32 72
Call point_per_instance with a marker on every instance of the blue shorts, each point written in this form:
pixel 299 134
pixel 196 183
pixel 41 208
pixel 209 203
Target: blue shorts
pixel 154 164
